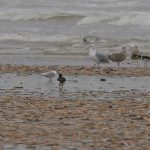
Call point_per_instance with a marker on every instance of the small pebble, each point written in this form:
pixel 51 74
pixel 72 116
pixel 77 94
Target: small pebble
pixel 102 79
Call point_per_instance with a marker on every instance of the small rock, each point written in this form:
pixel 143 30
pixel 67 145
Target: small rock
pixel 110 106
pixel 102 79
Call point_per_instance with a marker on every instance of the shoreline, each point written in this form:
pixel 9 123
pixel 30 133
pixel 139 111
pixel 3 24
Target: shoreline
pixel 101 120
pixel 60 60
pixel 76 70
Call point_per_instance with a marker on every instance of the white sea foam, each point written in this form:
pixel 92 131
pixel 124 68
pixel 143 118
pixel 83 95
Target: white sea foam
pixel 89 20
pixel 68 22
pixel 121 3
pixel 134 18
pixel 97 19
pixel 32 37
pixel 110 3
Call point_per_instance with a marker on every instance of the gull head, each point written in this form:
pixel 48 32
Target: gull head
pixel 55 72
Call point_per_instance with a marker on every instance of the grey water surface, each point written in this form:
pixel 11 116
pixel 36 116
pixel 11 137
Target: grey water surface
pixel 59 26
pixel 75 86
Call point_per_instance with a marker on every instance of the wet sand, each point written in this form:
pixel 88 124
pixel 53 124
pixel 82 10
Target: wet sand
pixel 77 86
pixel 89 114
pixel 43 124
pixel 76 70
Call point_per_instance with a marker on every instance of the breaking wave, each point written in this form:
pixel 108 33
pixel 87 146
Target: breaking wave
pixel 33 14
pixel 131 19
pixel 103 18
pixel 134 18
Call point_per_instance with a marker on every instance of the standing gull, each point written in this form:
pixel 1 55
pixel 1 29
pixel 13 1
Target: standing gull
pixel 118 57
pixel 62 81
pixel 135 53
pixel 98 57
pixel 50 74
pixel 146 60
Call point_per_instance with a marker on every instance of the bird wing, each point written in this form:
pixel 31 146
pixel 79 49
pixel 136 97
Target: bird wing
pixel 102 57
pixel 61 79
pixel 117 57
pixel 49 74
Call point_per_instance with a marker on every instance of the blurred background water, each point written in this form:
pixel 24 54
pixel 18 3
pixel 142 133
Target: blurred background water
pixel 59 26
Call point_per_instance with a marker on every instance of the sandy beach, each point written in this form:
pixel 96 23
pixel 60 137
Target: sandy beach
pixel 76 70
pixel 32 123
pixel 102 108
pixel 90 117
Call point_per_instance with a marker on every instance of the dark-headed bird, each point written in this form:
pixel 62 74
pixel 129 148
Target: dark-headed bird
pixel 146 60
pixel 62 81
pixel 135 54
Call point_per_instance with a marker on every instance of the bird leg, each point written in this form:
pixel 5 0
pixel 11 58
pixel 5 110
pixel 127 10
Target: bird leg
pixel 132 61
pixel 118 63
pixel 137 61
pixel 50 79
pixel 145 65
pixel 96 65
pixel 60 87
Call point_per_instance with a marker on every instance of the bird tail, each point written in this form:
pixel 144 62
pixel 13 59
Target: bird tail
pixel 110 56
pixel 43 74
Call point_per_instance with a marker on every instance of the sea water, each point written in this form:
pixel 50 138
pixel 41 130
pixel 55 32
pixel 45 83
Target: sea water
pixel 59 26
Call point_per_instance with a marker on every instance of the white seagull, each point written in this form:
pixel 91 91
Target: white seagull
pixel 98 57
pixel 50 74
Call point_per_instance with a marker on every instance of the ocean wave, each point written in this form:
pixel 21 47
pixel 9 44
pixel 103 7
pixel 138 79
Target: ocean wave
pixel 34 14
pixel 134 18
pixel 32 37
pixel 103 18
pixel 121 3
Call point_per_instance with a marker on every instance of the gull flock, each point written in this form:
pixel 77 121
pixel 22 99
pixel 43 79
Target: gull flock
pixel 117 57
pixel 103 58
